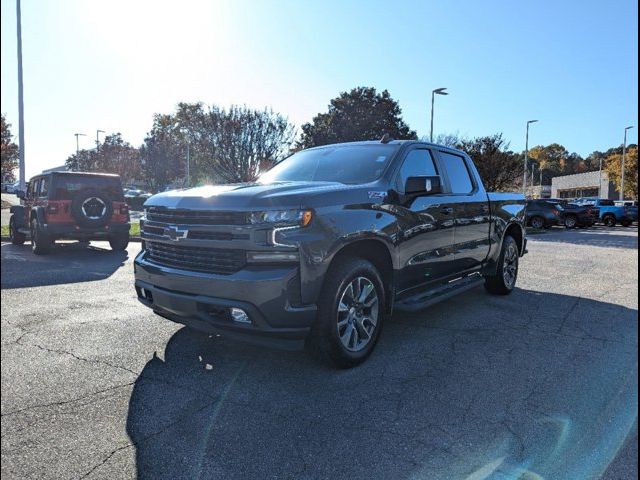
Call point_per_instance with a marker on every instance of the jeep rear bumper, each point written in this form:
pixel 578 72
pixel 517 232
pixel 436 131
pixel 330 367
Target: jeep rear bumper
pixel 74 232
pixel 204 301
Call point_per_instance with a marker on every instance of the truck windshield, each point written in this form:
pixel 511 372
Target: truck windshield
pixel 351 164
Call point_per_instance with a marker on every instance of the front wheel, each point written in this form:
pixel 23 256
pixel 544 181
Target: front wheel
pixel 41 243
pixel 15 236
pixel 504 281
pixel 351 309
pixel 119 242
pixel 609 220
pixel 570 221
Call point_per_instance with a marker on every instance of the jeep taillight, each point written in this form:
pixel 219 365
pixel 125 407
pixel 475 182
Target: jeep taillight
pixel 555 212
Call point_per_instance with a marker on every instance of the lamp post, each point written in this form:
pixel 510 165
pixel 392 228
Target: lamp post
pixel 624 157
pixel 184 133
pixel 78 135
pixel 98 132
pixel 22 178
pixel 437 91
pixel 526 159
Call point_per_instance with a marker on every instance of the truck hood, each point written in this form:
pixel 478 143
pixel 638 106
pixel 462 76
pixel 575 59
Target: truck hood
pixel 246 196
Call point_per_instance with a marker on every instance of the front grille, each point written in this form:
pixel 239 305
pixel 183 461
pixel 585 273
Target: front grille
pixel 196 259
pixel 196 217
pixel 196 234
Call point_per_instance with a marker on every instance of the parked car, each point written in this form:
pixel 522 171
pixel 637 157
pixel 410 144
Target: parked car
pixel 135 198
pixel 11 187
pixel 632 207
pixel 70 205
pixel 573 215
pixel 609 213
pixel 327 243
pixel 543 213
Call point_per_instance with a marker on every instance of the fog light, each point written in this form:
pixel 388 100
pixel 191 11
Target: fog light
pixel 239 315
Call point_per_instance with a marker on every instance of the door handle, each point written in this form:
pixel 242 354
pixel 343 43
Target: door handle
pixel 447 211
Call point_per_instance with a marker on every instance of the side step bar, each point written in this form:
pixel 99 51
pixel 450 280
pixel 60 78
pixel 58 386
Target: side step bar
pixel 427 298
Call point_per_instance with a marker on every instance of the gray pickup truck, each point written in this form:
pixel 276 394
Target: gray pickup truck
pixel 327 244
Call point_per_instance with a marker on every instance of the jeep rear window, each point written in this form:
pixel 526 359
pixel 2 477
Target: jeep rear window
pixel 351 164
pixel 67 186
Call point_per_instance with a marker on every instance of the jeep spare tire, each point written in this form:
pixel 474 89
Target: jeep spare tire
pixel 92 208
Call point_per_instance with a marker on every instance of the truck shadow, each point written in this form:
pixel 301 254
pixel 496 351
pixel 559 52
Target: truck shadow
pixel 534 382
pixel 67 263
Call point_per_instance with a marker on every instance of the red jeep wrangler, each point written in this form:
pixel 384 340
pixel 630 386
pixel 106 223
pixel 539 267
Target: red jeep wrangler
pixel 71 205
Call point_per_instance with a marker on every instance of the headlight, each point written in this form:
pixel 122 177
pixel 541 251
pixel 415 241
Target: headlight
pixel 282 217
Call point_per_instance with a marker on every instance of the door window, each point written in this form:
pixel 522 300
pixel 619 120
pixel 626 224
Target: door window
pixel 417 163
pixel 458 173
pixel 44 187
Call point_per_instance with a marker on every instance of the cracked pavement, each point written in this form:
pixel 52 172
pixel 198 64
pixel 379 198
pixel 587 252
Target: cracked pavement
pixel 543 382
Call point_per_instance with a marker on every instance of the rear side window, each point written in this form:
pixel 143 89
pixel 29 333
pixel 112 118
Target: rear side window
pixel 458 173
pixel 44 187
pixel 66 187
pixel 607 203
pixel 418 163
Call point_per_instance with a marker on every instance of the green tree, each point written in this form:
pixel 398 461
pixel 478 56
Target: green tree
pixel 555 160
pixel 499 167
pixel 114 155
pixel 163 153
pixel 360 114
pixel 9 151
pixel 613 166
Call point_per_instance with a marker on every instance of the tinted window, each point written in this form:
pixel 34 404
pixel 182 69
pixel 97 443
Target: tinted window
pixel 351 164
pixel 607 203
pixel 418 163
pixel 34 185
pixel 458 173
pixel 65 187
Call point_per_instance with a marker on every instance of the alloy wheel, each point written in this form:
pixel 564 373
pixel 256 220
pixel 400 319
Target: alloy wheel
pixel 510 266
pixel 357 315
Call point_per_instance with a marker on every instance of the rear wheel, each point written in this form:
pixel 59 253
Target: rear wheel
pixel 626 223
pixel 16 237
pixel 350 313
pixel 41 243
pixel 537 222
pixel 609 220
pixel 119 241
pixel 570 221
pixel 504 281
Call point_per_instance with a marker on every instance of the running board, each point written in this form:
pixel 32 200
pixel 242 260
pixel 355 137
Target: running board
pixel 427 298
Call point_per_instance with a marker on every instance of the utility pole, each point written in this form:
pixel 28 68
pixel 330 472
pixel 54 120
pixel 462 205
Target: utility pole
pixel 22 178
pixel 624 157
pixel 437 91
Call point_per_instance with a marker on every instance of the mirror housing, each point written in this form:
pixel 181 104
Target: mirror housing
pixel 20 194
pixel 423 186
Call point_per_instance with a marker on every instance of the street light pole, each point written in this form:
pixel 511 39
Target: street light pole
pixel 78 135
pixel 437 91
pixel 526 159
pixel 22 178
pixel 98 132
pixel 624 157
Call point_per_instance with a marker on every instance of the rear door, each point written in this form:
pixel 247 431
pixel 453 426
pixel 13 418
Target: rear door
pixel 471 211
pixel 425 225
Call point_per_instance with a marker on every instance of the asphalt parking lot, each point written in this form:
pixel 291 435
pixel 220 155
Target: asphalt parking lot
pixel 540 384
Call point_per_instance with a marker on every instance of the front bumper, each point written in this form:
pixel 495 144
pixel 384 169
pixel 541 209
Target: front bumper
pixel 203 301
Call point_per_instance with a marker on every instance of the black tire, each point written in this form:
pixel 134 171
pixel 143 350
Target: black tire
pixel 609 220
pixel 16 237
pixel 332 312
pixel 92 208
pixel 41 243
pixel 537 222
pixel 626 223
pixel 570 221
pixel 119 241
pixel 500 284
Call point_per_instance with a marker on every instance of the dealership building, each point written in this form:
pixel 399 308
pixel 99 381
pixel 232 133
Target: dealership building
pixel 583 185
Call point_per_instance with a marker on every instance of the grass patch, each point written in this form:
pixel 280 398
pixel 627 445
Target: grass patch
pixel 134 231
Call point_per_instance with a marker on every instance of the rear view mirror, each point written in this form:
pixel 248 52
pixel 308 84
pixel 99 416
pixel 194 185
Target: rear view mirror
pixel 20 194
pixel 423 186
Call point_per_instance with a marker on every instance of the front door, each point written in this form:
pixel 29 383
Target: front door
pixel 425 226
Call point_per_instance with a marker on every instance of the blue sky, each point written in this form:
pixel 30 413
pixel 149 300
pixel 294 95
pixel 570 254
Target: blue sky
pixel 111 65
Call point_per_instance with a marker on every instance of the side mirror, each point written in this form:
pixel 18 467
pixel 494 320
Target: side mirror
pixel 423 186
pixel 20 194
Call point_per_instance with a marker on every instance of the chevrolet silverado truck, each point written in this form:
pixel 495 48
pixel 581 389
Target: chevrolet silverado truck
pixel 327 244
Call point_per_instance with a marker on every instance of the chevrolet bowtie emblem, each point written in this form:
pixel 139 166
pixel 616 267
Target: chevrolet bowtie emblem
pixel 175 233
